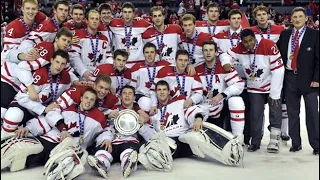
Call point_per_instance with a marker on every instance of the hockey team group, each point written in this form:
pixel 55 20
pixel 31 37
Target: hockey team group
pixel 66 83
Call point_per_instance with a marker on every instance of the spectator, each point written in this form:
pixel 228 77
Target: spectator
pixel 182 10
pixel 235 5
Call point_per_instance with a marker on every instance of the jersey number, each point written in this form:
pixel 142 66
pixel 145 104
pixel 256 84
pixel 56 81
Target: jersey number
pixel 36 79
pixel 42 51
pixel 10 31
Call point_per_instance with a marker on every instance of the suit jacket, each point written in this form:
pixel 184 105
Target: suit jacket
pixel 307 60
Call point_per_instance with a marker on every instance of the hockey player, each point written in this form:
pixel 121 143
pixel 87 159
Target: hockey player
pixel 144 75
pixel 213 25
pixel 49 82
pixel 265 30
pixel 219 85
pixel 19 29
pixel 176 121
pixel 127 33
pixel 122 148
pixel 182 83
pixel 272 32
pixel 105 12
pixel 78 21
pixel 165 37
pixel 46 30
pixel 119 74
pixel 264 72
pixel 91 50
pixel 83 121
pixel 192 39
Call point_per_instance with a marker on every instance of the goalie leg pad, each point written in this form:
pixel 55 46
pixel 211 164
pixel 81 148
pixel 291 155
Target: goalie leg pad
pixel 215 143
pixel 14 151
pixel 156 154
pixel 64 165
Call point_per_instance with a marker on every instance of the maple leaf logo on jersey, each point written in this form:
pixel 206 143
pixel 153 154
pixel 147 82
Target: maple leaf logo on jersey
pixel 133 42
pixel 164 122
pixel 72 125
pixel 167 52
pixel 248 71
pixel 175 118
pixel 148 84
pixel 43 98
pixel 258 73
pixel 176 89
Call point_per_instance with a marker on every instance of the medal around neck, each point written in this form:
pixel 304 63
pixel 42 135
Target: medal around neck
pixel 127 122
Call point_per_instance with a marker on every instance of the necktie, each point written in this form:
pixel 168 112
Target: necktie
pixel 295 53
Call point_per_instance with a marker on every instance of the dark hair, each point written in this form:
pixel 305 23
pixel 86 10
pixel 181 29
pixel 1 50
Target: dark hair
pixel 149 45
pixel 62 54
pixel 297 9
pixel 162 83
pixel 246 32
pixel 104 6
pixel 210 42
pixel 77 6
pixel 213 5
pixel 181 52
pixel 64 32
pixel 91 90
pixel 120 52
pixel 128 87
pixel 57 3
pixel 233 12
pixel 128 5
pixel 104 78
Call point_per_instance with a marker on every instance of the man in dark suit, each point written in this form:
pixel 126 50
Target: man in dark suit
pixel 299 48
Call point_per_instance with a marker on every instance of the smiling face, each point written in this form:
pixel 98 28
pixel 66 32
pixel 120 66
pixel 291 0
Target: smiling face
pixel 88 100
pixel 106 16
pixel 102 88
pixel 29 10
pixel 162 93
pixel 149 55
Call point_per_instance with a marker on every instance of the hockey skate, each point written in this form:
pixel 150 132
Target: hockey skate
pixel 130 164
pixel 97 165
pixel 14 151
pixel 273 146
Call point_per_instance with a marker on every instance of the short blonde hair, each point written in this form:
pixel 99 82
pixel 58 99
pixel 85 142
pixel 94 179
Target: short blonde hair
pixel 157 8
pixel 259 8
pixel 30 1
pixel 188 17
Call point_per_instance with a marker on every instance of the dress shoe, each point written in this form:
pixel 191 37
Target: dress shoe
pixel 253 148
pixel 295 148
pixel 285 137
pixel 316 151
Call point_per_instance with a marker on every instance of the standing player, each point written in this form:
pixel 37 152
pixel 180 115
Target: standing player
pixel 213 25
pixel 127 33
pixel 165 37
pixel 192 39
pixel 144 75
pixel 91 50
pixel 219 85
pixel 78 21
pixel 264 72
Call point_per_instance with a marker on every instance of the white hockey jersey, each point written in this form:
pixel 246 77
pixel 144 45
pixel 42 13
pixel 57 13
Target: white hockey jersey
pixel 268 68
pixel 170 44
pixel 9 75
pixel 196 56
pixel 222 82
pixel 177 120
pixel 82 57
pixel 41 83
pixel 94 124
pixel 192 86
pixel 136 44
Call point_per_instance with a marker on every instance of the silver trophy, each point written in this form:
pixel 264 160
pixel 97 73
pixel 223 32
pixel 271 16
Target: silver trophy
pixel 127 122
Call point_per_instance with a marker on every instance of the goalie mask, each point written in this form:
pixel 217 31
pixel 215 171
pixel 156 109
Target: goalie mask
pixel 216 143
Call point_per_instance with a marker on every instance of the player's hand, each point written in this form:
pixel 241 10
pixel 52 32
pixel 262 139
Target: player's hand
pixel 216 99
pixel 197 125
pixel 87 75
pixel 113 90
pixel 314 84
pixel 227 67
pixel 141 120
pixel 187 103
pixel 32 55
pixel 64 134
pixel 33 95
pixel 22 132
pixel 153 110
pixel 75 40
pixel 51 107
pixel 107 144
pixel 113 114
pixel 274 101
pixel 191 70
